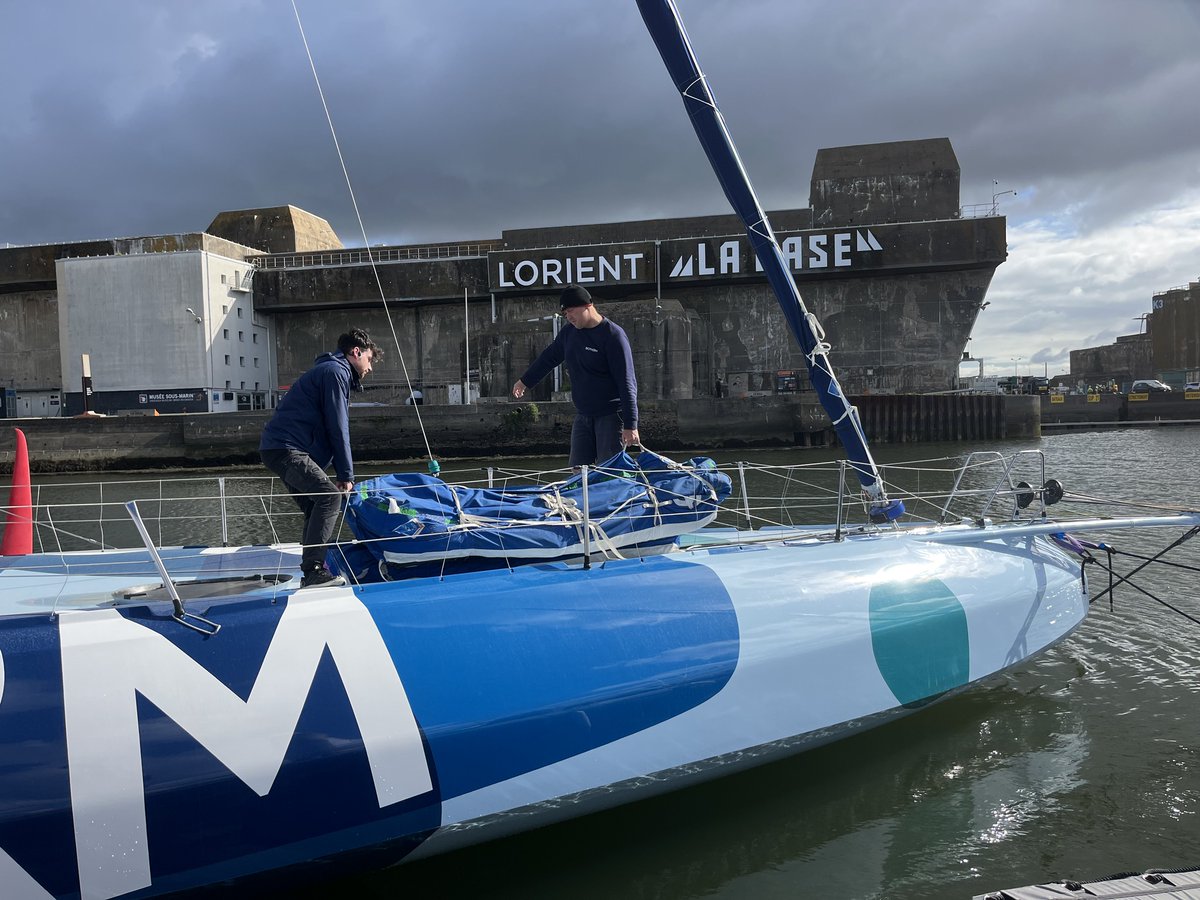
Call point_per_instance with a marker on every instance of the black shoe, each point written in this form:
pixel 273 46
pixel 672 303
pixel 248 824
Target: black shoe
pixel 321 578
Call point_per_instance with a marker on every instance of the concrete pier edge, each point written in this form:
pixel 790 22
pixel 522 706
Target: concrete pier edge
pixel 508 428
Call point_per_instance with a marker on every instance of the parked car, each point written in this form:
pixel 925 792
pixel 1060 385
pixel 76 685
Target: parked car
pixel 1149 386
pixel 1192 386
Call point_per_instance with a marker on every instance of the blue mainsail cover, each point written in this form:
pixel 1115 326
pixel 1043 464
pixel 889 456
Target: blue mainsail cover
pixel 412 520
pixel 666 28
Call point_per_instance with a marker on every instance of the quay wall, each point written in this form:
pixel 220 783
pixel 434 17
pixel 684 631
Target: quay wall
pixel 507 428
pixel 1112 410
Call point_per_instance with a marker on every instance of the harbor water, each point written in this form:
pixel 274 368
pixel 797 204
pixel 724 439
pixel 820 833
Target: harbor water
pixel 1082 764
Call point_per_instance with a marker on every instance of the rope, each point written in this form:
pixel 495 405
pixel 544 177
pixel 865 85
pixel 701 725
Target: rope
pixel 1127 577
pixel 1085 498
pixel 362 229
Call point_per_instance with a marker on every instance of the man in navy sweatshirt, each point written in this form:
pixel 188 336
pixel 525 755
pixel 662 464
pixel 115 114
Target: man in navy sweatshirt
pixel 603 384
pixel 311 429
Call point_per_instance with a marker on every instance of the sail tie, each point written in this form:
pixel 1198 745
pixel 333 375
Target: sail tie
pixel 705 98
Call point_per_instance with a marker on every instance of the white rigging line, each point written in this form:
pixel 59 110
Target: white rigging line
pixel 362 229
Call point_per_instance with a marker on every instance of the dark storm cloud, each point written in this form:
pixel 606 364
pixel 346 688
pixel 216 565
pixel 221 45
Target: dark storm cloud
pixel 460 119
pixel 463 118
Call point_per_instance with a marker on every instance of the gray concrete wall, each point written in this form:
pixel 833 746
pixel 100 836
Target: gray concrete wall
pixel 32 268
pixel 430 341
pixel 1175 330
pixel 1130 357
pixel 433 345
pixel 333 287
pixel 1075 409
pixel 1070 408
pixel 1022 416
pixel 901 181
pixel 29 341
pixel 500 429
pixel 279 229
pixel 1174 405
pixel 128 313
pixel 903 334
pixel 649 230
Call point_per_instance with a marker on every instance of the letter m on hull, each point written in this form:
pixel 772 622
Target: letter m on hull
pixel 107 660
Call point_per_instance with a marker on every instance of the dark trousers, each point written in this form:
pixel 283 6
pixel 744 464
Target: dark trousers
pixel 315 494
pixel 595 439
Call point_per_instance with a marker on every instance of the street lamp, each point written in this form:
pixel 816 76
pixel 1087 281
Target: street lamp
pixel 1016 361
pixel 998 195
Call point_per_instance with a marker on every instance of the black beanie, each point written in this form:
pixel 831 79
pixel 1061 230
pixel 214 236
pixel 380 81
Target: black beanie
pixel 574 295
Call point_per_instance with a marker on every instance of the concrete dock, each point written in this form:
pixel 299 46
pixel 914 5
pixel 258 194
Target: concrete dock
pixel 508 428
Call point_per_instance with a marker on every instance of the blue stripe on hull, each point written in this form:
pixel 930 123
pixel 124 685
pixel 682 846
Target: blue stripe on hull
pixel 507 674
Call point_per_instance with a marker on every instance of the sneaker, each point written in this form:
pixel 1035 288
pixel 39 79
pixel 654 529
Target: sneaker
pixel 321 578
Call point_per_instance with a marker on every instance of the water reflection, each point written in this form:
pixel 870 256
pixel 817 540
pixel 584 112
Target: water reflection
pixel 901 806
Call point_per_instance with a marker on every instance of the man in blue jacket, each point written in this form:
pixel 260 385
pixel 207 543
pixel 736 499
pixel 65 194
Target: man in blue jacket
pixel 603 384
pixel 310 430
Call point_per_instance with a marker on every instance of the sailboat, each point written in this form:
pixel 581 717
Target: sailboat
pixel 175 717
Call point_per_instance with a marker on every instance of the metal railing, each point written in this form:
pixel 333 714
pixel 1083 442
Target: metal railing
pixel 379 255
pixel 978 211
pixel 243 510
pixel 1171 290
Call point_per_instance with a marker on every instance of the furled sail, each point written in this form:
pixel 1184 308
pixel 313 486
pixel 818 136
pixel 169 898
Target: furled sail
pixel 666 28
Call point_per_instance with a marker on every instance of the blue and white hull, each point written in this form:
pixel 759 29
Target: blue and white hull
pixel 142 757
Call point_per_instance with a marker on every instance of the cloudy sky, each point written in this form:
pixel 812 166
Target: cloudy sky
pixel 461 118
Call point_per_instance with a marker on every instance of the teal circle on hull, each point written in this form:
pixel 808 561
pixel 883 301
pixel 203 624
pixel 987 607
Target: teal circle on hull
pixel 920 640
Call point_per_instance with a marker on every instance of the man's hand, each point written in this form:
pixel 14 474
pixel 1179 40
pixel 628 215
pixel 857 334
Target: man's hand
pixel 519 389
pixel 630 436
pixel 344 486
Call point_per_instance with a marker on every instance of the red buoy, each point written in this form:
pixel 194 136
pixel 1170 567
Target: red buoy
pixel 18 515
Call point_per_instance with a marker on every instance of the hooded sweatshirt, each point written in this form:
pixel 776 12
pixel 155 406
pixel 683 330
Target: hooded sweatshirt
pixel 313 417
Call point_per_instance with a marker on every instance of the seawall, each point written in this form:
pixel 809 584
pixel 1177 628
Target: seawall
pixel 1091 411
pixel 506 428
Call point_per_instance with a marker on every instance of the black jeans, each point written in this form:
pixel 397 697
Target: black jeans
pixel 595 439
pixel 315 494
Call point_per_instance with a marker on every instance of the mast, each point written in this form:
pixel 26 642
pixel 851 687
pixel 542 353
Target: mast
pixel 666 28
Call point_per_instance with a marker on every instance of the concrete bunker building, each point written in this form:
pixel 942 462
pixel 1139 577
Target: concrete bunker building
pixel 1167 349
pixel 892 266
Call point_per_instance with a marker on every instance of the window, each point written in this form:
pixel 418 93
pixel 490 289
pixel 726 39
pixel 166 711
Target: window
pixel 254 337
pixel 241 336
pixel 243 385
pixel 225 308
pixel 226 359
pixel 256 362
pixel 229 385
pixel 239 309
pixel 226 333
pixel 242 362
pixel 222 278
